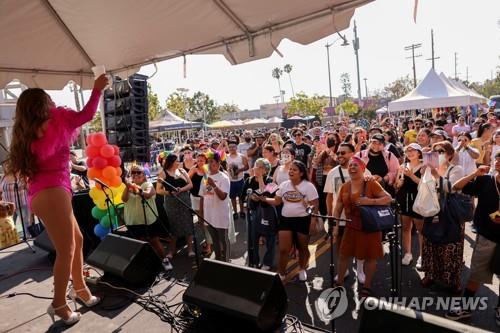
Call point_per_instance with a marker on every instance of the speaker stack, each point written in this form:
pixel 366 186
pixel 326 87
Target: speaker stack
pixel 126 117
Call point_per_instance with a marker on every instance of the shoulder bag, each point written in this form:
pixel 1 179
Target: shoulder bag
pixel 376 218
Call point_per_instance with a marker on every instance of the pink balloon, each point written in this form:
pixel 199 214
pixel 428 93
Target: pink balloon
pixel 99 139
pixel 100 162
pixel 90 162
pixel 92 151
pixel 107 151
pixel 115 161
pixel 116 149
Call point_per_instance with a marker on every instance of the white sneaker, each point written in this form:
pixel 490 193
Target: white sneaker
pixel 302 275
pixel 345 276
pixel 407 258
pixel 265 268
pixel 418 266
pixel 167 265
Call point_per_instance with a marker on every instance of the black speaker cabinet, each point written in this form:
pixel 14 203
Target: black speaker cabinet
pixel 379 316
pixel 133 261
pixel 240 298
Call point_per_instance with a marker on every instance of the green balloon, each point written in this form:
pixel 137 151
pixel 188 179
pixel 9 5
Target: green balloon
pixel 106 221
pixel 98 213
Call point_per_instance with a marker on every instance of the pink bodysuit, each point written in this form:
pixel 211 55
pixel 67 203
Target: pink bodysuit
pixel 52 150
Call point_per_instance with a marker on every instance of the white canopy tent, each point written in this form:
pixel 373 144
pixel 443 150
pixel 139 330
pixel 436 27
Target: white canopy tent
pixel 434 92
pixel 172 122
pixel 46 43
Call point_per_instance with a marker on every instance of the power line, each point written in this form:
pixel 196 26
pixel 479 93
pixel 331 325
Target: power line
pixel 412 47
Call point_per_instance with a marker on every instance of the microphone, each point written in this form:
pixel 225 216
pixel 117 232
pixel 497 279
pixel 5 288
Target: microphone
pixel 249 191
pixel 100 182
pixel 168 186
pixel 309 210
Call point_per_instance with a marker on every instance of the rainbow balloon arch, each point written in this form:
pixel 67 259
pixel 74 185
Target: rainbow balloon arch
pixel 104 163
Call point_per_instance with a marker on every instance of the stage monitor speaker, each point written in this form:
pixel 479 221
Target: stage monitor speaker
pixel 132 260
pixel 241 298
pixel 379 316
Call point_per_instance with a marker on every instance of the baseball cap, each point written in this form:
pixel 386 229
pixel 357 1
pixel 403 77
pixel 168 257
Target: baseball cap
pixel 415 146
pixel 440 133
pixel 378 137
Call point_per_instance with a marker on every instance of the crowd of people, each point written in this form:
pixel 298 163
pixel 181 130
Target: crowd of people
pixel 275 178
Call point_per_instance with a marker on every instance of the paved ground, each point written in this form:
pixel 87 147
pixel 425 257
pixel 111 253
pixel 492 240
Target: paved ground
pixel 24 313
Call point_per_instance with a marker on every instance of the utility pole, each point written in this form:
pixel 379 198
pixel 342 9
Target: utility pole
pixel 412 47
pixel 355 44
pixel 366 88
pixel 432 46
pixel 329 75
pixel 456 63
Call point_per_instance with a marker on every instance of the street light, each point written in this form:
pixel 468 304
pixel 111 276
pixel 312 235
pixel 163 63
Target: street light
pixel 344 43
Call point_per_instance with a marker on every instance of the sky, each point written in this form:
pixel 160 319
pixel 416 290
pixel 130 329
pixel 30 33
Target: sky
pixel 385 27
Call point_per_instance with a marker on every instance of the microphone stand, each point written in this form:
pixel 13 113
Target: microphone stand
pixel 332 222
pixel 250 240
pixel 173 190
pixel 395 252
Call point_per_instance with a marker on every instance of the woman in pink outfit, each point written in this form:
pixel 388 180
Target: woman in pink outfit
pixel 39 151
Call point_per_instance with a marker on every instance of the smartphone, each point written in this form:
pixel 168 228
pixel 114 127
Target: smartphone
pixel 431 159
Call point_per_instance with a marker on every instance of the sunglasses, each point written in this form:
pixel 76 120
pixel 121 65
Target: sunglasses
pixel 440 151
pixel 136 172
pixel 428 125
pixel 342 153
pixel 296 135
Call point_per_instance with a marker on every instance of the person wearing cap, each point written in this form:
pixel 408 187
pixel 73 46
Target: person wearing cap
pixel 382 164
pixel 355 242
pixel 409 175
pixel 142 224
pixel 437 136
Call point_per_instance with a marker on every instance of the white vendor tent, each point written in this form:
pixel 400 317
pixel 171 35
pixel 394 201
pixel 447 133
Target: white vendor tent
pixel 46 43
pixel 433 92
pixel 171 122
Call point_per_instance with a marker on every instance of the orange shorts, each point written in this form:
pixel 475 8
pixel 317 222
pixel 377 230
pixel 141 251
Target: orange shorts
pixel 361 245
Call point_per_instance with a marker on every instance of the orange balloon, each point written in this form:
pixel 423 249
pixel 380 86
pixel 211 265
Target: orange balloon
pixel 109 172
pixel 98 186
pixel 119 172
pixel 116 181
pixel 94 173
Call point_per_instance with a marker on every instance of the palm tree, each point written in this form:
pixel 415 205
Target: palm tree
pixel 277 73
pixel 288 69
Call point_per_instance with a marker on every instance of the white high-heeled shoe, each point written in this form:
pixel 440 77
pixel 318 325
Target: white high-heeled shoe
pixel 72 319
pixel 73 294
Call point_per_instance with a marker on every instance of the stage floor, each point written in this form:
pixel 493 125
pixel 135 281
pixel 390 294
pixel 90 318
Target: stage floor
pixel 25 313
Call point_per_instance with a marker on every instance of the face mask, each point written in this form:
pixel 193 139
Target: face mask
pixel 248 139
pixel 285 159
pixel 442 159
pixel 448 121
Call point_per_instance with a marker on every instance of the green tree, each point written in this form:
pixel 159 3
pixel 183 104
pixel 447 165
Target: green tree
pixel 487 88
pixel 154 108
pixel 177 102
pixel 277 73
pixel 202 108
pixel 288 69
pixel 345 81
pixel 303 105
pixel 399 88
pixel 227 108
pixel 348 107
pixel 95 124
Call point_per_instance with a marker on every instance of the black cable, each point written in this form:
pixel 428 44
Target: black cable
pixel 24 294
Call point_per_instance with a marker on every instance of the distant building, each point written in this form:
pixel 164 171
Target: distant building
pixel 265 111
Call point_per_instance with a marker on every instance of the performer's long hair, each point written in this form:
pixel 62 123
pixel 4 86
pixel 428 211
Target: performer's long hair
pixel 32 111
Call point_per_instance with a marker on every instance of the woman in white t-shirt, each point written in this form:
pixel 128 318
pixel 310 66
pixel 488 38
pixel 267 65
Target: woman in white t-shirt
pixel 287 156
pixel 296 194
pixel 466 154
